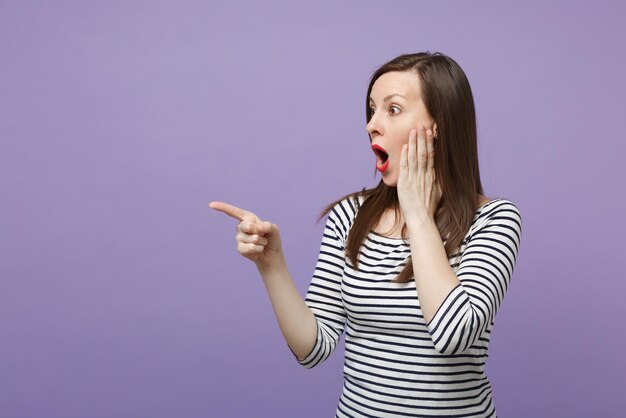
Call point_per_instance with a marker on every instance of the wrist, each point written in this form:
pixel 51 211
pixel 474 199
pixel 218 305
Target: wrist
pixel 274 269
pixel 419 222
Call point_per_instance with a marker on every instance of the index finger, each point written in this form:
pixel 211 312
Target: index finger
pixel 422 151
pixel 233 211
pixel 431 150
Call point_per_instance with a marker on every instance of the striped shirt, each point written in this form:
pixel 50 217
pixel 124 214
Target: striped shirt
pixel 397 365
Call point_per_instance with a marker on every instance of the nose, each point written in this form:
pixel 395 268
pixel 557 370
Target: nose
pixel 373 127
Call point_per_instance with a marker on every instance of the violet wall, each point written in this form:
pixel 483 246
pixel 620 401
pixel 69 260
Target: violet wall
pixel 121 292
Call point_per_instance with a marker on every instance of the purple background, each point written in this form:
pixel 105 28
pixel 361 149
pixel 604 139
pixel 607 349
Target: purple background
pixel 122 293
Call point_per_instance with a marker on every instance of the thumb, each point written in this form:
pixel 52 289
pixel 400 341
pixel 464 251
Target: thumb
pixel 270 231
pixel 267 228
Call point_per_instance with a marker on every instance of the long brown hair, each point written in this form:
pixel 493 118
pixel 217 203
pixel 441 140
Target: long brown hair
pixel 449 101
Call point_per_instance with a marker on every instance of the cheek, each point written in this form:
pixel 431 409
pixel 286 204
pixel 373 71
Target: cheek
pixel 402 127
pixel 397 146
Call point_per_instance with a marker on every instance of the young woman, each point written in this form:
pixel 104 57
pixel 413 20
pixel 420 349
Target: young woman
pixel 414 269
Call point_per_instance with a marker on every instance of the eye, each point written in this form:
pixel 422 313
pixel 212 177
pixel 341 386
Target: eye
pixel 392 108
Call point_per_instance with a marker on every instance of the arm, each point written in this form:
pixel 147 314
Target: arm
pixel 296 321
pixel 458 307
pixel 459 311
pixel 260 242
pixel 311 327
pixel 324 294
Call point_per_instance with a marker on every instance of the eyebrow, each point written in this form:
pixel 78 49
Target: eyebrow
pixel 389 97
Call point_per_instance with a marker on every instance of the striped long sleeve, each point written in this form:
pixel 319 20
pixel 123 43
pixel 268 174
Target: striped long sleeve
pixel 485 271
pixel 324 294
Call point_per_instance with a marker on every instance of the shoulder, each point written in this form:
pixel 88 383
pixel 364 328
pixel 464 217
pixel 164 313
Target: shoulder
pixel 498 214
pixel 498 207
pixel 342 215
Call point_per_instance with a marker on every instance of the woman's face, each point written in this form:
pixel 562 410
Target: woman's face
pixel 396 107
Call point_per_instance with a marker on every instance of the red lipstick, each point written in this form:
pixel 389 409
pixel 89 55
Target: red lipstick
pixel 382 158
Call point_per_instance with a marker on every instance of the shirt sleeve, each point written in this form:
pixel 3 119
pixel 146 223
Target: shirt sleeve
pixel 485 271
pixel 324 294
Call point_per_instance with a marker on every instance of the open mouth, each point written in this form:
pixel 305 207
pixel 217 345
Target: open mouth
pixel 382 157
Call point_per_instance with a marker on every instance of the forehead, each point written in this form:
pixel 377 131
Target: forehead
pixel 405 83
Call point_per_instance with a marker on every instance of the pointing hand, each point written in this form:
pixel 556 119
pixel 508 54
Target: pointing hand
pixel 257 240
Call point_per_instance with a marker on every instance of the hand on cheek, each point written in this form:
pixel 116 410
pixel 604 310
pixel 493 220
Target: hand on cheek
pixel 418 191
